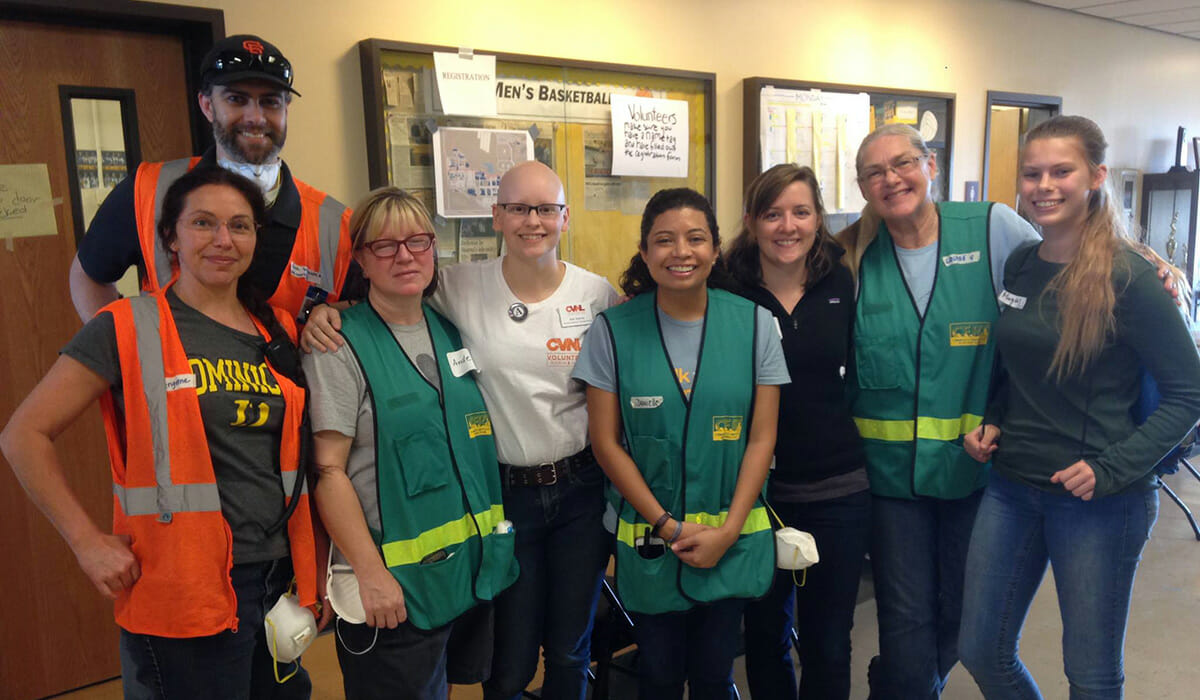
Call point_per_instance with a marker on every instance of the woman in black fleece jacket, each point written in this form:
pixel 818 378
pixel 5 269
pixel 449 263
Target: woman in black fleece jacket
pixel 785 260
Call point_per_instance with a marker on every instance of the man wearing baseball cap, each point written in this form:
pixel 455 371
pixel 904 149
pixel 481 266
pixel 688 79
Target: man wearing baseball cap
pixel 303 255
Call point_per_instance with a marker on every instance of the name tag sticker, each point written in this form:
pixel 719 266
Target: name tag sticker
pixel 645 401
pixel 182 381
pixel 1009 299
pixel 305 273
pixel 461 362
pixel 574 315
pixel 727 428
pixel 961 258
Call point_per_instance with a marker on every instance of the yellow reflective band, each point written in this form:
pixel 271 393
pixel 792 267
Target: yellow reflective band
pixel 945 429
pixel 756 521
pixel 886 430
pixel 412 551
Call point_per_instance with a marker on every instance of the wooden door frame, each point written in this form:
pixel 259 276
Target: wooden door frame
pixel 998 98
pixel 198 27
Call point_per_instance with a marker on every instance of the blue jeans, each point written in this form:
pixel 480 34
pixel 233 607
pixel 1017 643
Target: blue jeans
pixel 697 646
pixel 822 609
pixel 562 547
pixel 1094 548
pixel 918 555
pixel 233 665
pixel 406 662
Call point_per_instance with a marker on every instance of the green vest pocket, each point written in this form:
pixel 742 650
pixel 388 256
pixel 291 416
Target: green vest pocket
pixel 876 362
pixel 437 593
pixel 420 464
pixel 500 567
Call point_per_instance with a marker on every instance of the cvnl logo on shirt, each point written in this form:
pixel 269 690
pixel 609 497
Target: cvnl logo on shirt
pixel 562 352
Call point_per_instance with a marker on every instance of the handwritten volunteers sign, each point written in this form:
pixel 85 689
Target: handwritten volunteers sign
pixel 26 206
pixel 650 136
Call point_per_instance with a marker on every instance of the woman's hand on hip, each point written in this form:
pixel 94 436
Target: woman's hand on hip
pixel 382 599
pixel 981 442
pixel 1078 478
pixel 109 563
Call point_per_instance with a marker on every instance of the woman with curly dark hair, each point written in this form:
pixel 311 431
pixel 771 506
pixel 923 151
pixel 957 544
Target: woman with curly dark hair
pixel 688 375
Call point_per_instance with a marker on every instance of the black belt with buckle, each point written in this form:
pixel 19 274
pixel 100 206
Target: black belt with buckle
pixel 547 473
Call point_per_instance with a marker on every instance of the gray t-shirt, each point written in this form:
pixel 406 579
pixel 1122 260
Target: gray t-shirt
pixel 1008 231
pixel 242 411
pixel 596 366
pixel 338 401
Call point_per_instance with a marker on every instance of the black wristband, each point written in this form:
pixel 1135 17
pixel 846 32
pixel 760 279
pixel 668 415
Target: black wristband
pixel 662 520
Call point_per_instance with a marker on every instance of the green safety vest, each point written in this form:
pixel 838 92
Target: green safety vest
pixel 437 473
pixel 922 382
pixel 689 452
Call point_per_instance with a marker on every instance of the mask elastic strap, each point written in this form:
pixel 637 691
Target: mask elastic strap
pixel 338 631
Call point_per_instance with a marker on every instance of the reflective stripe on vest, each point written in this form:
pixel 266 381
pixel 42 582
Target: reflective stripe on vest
pixel 402 552
pixel 329 236
pixel 170 172
pixel 927 428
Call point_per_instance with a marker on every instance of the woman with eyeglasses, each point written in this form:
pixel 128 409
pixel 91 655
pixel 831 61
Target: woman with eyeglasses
pixel 408 487
pixel 202 399
pixel 523 317
pixel 1073 485
pixel 683 397
pixel 928 277
pixel 785 260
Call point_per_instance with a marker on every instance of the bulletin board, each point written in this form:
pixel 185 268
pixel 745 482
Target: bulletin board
pixel 564 105
pixel 822 124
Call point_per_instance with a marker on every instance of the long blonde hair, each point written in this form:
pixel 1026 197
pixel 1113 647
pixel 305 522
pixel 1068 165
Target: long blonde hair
pixel 1084 287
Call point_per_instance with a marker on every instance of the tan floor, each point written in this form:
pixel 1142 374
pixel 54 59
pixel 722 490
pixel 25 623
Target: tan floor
pixel 1162 649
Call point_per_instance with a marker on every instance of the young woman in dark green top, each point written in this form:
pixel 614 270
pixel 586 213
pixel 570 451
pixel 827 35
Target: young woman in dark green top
pixel 1072 483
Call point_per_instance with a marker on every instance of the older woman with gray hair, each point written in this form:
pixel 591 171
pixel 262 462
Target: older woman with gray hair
pixel 928 274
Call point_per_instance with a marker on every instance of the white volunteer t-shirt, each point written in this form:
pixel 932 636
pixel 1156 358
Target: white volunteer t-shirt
pixel 538 412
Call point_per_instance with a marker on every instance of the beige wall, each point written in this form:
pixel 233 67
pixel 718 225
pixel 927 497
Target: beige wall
pixel 1138 84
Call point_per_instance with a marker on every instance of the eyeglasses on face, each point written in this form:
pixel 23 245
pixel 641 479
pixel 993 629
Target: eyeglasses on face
pixel 545 211
pixel 903 165
pixel 385 248
pixel 202 223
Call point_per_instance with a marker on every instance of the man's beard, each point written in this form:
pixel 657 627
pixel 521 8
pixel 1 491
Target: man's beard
pixel 228 141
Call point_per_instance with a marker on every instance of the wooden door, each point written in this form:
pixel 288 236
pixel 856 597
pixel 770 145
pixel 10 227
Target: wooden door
pixel 57 631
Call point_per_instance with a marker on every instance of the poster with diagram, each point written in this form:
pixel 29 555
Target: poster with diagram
pixel 468 164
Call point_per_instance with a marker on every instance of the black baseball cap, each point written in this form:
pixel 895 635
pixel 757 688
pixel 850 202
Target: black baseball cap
pixel 245 57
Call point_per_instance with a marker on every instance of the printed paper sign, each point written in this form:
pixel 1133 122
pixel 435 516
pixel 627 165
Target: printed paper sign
pixel 466 84
pixel 650 136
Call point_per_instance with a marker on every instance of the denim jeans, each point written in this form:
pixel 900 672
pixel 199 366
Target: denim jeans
pixel 228 665
pixel 414 664
pixel 1094 548
pixel 822 610
pixel 918 555
pixel 563 548
pixel 697 646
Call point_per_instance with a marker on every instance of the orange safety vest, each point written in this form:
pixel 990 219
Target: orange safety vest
pixel 320 256
pixel 165 494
